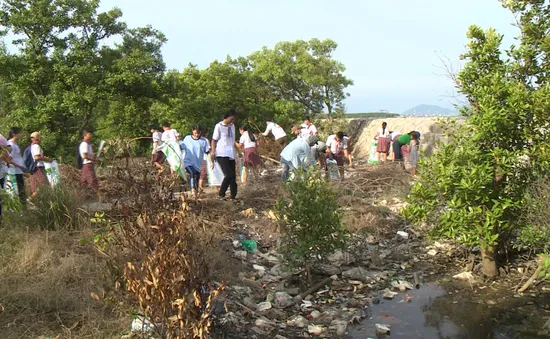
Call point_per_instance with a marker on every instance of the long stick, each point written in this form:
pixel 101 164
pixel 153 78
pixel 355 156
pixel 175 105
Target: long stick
pixel 267 158
pixel 530 281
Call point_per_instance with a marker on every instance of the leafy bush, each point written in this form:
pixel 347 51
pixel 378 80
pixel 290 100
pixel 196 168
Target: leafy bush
pixel 310 218
pixel 56 208
pixel 535 236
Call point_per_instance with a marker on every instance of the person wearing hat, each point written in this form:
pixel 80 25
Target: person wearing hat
pixel 38 176
pixel 337 149
pixel 4 161
pixel 297 154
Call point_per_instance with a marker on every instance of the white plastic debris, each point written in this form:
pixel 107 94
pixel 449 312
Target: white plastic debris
pixel 315 314
pixel 403 235
pixel 382 328
pixel 297 321
pixel 315 329
pixel 240 254
pixel 260 269
pixel 467 276
pixel 402 285
pixel 389 294
pixel 432 252
pixel 264 306
pixel 142 324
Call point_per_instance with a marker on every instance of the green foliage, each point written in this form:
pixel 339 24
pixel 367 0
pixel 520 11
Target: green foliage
pixel 474 187
pixel 544 262
pixel 55 208
pixel 535 236
pixel 311 219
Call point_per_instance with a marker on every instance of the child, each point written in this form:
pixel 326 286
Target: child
pixel 413 152
pixel 158 157
pixel 195 146
pixel 5 148
pixel 251 155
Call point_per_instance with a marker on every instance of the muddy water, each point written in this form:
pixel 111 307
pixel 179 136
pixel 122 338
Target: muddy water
pixel 432 312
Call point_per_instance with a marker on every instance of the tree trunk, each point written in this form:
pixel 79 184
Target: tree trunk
pixel 489 265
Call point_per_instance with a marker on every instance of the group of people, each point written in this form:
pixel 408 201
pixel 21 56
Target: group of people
pixel 403 146
pixel 15 163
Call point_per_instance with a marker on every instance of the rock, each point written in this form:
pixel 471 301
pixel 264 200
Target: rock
pixel 382 328
pixel 258 331
pixel 240 254
pixel 389 294
pixel 376 301
pixel 264 306
pixel 466 276
pixel 315 329
pixel 325 269
pixel 403 235
pixel 297 321
pixel 356 273
pixel 402 285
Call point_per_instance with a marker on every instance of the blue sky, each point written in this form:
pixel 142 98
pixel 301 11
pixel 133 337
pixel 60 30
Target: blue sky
pixel 390 47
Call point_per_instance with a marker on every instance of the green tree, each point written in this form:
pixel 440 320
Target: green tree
pixel 304 75
pixel 473 189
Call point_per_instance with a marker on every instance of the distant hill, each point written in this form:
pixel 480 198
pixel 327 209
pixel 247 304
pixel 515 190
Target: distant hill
pixel 371 115
pixel 430 110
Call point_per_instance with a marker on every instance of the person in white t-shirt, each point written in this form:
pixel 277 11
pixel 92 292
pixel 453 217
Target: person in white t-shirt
pixel 383 145
pixel 38 176
pixel 278 132
pixel 5 148
pixel 223 151
pixel 252 158
pixel 157 158
pixel 17 164
pixel 337 149
pixel 308 129
pixel 169 134
pixel 88 178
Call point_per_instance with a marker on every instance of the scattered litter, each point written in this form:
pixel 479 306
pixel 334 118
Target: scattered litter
pixel 467 276
pixel 356 273
pixel 404 235
pixel 264 306
pixel 340 326
pixel 382 328
pixel 389 294
pixel 432 252
pixel 402 285
pixel 315 329
pixel 142 324
pixel 282 300
pixel 297 321
pixel 240 254
pixel 315 314
pixel 249 246
pixel 260 269
pixel 236 243
pixel 248 213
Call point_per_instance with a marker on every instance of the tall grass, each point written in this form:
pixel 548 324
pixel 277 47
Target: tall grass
pixel 55 208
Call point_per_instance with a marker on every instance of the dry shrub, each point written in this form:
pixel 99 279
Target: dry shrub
pixel 46 279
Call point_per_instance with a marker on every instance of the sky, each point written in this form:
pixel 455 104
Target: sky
pixel 391 48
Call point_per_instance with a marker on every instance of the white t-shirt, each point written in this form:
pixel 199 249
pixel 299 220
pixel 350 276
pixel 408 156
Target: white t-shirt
pixel 170 135
pixel 225 136
pixel 86 148
pixel 393 134
pixel 37 150
pixel 277 131
pixel 335 146
pixel 17 158
pixel 245 139
pixel 157 137
pixel 383 133
pixel 308 131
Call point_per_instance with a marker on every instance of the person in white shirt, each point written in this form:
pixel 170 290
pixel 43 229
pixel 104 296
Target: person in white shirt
pixel 169 134
pixel 5 148
pixel 308 129
pixel 88 178
pixel 278 132
pixel 252 158
pixel 383 145
pixel 17 165
pixel 38 176
pixel 158 157
pixel 223 151
pixel 337 149
pixel 297 154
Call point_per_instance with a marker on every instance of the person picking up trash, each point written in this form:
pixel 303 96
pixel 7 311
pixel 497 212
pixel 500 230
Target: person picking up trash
pixel 337 149
pixel 297 154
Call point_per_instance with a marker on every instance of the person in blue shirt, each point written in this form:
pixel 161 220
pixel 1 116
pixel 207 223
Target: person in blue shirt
pixel 298 154
pixel 195 147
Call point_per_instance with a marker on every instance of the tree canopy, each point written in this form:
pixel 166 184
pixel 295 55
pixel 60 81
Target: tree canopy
pixel 78 67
